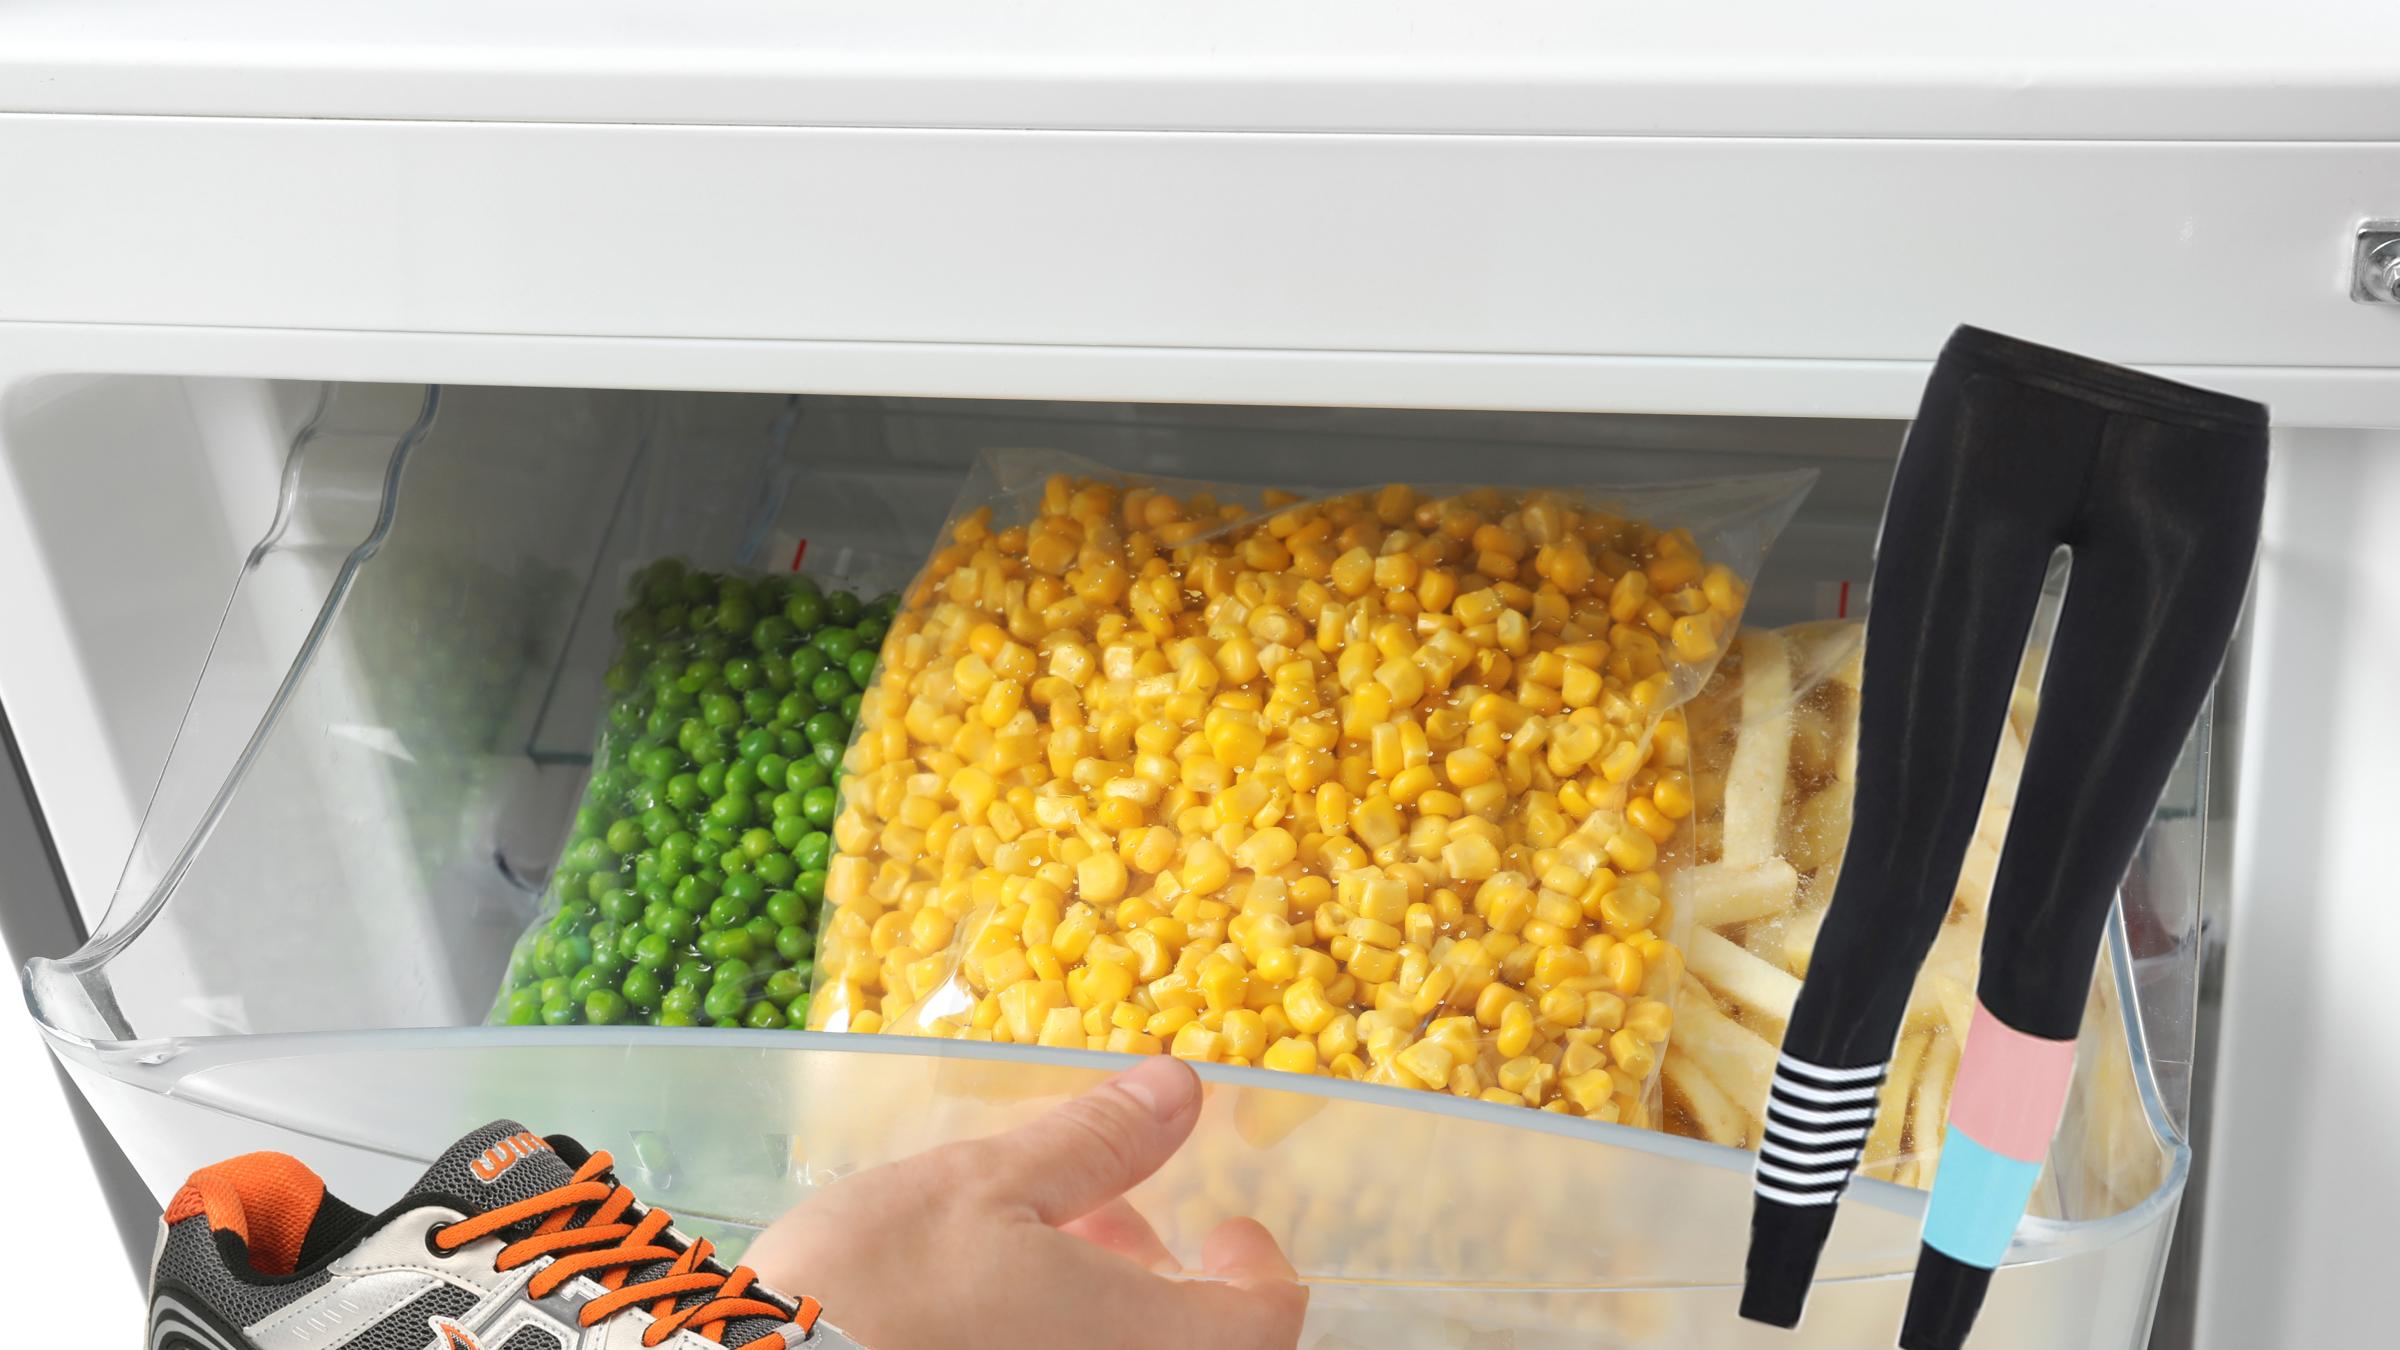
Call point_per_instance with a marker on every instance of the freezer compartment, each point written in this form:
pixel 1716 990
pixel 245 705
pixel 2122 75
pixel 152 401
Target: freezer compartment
pixel 387 739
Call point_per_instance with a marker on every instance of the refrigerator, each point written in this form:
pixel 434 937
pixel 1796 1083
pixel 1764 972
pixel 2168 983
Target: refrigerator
pixel 352 358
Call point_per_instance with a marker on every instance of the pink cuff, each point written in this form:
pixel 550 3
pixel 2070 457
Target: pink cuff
pixel 2011 1088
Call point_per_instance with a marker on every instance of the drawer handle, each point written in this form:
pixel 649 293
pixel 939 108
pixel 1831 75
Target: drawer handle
pixel 2375 274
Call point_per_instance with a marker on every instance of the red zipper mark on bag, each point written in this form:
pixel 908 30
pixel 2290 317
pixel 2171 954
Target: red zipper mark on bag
pixel 798 550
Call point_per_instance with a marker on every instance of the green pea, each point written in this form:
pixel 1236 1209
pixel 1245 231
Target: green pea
pixel 814 852
pixel 653 951
pixel 746 889
pixel 753 746
pixel 683 791
pixel 862 667
pixel 811 886
pixel 796 707
pixel 724 1000
pixel 807 663
pixel 715 835
pixel 830 687
pixel 843 608
pixel 693 973
pixel 771 770
pixel 836 643
pixel 674 1019
pixel 629 942
pixel 620 905
pixel 712 780
pixel 676 850
pixel 792 942
pixel 758 706
pixel 558 1012
pixel 735 862
pixel 742 674
pixel 792 741
pixel 574 949
pixel 590 820
pixel 871 628
pixel 775 633
pixel 640 987
pixel 692 894
pixel 681 1000
pixel 804 612
pixel 676 925
pixel 719 710
pixel 609 961
pixel 554 987
pixel 805 774
pixel 741 779
pixel 657 823
pixel 524 1007
pixel 827 729
pixel 727 913
pixel 762 932
pixel 604 1007
pixel 589 855
pixel 787 909
pixel 850 705
pixel 764 1017
pixel 797 1010
pixel 585 981
pixel 776 869
pixel 731 811
pixel 735 614
pixel 785 985
pixel 791 829
pixel 757 844
pixel 817 805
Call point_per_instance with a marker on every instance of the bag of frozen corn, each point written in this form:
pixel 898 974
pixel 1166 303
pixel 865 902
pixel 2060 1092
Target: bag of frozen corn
pixel 1774 737
pixel 1379 785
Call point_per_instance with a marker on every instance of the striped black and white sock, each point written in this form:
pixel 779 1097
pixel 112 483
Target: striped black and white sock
pixel 1817 1119
pixel 1816 1127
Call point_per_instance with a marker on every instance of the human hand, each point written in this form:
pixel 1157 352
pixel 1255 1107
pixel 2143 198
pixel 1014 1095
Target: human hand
pixel 1025 1241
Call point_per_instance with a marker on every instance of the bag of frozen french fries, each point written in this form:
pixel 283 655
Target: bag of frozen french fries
pixel 1774 748
pixel 1381 785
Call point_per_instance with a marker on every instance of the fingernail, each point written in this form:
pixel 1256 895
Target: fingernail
pixel 1162 1084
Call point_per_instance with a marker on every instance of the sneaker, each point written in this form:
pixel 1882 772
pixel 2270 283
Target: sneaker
pixel 508 1242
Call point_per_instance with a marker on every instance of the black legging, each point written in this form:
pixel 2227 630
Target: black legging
pixel 2155 489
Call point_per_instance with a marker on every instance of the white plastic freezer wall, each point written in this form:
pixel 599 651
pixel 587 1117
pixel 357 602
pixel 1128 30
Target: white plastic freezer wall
pixel 375 768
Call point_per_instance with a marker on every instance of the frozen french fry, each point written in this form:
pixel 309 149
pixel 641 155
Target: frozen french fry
pixel 1754 781
pixel 1799 933
pixel 1931 1110
pixel 1734 974
pixel 1719 1119
pixel 1720 895
pixel 1956 999
pixel 1891 1109
pixel 1739 1059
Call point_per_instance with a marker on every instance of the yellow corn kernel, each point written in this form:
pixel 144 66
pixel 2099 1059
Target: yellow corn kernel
pixel 1516 1028
pixel 1291 1055
pixel 1645 816
pixel 1196 1042
pixel 1425 1064
pixel 1245 1034
pixel 1305 1003
pixel 1632 1054
pixel 1651 1019
pixel 1376 821
pixel 1269 850
pixel 1632 851
pixel 1624 969
pixel 1338 1037
pixel 1379 964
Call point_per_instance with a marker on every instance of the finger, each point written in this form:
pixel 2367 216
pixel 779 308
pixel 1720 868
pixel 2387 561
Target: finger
pixel 1120 1228
pixel 1089 1151
pixel 1242 1251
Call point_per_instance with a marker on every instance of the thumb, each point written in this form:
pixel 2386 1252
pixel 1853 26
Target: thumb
pixel 1092 1149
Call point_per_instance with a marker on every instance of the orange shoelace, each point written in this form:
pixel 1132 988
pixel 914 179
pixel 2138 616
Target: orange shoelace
pixel 609 1249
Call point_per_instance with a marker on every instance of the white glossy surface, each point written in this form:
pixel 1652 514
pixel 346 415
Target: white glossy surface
pixel 2213 69
pixel 2302 1192
pixel 1491 248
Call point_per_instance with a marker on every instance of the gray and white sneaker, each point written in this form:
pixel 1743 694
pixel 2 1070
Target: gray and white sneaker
pixel 508 1242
